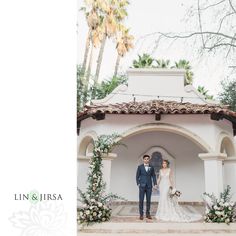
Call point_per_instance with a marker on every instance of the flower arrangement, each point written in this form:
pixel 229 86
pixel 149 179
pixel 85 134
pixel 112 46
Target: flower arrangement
pixel 96 203
pixel 220 210
pixel 173 192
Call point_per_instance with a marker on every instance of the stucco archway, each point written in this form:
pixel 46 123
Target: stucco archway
pixel 189 167
pixel 168 128
pixel 86 143
pixel 225 144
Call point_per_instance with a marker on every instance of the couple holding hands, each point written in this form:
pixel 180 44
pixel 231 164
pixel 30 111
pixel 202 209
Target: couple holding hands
pixel 168 207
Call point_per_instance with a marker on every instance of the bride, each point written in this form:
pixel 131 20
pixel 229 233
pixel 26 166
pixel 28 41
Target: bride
pixel 168 208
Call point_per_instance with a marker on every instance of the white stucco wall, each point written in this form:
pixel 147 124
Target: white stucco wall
pixel 189 167
pixel 198 124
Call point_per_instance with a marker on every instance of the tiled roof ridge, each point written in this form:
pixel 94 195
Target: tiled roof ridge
pixel 156 106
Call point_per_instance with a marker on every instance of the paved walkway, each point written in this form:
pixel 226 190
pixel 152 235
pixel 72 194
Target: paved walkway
pixel 125 222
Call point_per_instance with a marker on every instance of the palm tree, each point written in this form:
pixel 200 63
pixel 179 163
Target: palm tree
pixel 123 45
pixel 183 64
pixel 204 92
pixel 114 14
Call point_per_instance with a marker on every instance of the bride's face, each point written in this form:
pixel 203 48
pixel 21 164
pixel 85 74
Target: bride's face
pixel 164 164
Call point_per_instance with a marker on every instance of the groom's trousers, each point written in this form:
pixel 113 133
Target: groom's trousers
pixel 146 190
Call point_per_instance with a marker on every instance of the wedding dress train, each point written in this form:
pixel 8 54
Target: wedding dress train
pixel 168 208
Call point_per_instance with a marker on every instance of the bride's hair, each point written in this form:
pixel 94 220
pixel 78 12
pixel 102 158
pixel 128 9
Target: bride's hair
pixel 167 162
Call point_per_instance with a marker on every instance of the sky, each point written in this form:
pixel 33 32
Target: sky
pixel 147 17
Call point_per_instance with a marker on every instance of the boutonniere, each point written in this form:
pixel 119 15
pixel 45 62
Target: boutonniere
pixel 149 168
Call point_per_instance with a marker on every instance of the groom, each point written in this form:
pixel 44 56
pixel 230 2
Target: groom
pixel 145 175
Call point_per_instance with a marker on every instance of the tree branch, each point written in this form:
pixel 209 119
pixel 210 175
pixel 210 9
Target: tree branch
pixel 231 5
pixel 220 45
pixel 198 33
pixel 213 5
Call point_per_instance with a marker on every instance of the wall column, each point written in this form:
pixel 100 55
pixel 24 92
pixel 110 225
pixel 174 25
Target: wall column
pixel 229 175
pixel 213 168
pixel 106 170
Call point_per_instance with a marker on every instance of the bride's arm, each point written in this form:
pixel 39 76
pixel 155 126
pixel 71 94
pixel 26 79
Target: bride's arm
pixel 171 177
pixel 159 178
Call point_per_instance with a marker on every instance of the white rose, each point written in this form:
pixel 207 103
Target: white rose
pixel 92 200
pixel 226 204
pixel 99 204
pixel 87 212
pixel 94 214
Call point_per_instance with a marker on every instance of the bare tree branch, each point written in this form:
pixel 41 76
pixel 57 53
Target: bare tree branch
pixel 200 21
pixel 199 33
pixel 223 18
pixel 213 5
pixel 231 4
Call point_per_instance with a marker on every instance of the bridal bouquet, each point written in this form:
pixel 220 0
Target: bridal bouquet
pixel 173 192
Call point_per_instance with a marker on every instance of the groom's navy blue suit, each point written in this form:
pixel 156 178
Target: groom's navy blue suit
pixel 144 180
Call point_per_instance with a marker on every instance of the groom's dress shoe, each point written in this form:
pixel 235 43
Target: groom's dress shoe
pixel 149 217
pixel 141 217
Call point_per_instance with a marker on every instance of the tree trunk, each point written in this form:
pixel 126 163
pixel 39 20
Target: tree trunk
pixel 86 51
pixel 88 76
pixel 99 60
pixel 117 65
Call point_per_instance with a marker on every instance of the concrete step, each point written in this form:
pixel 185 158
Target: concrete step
pixel 144 228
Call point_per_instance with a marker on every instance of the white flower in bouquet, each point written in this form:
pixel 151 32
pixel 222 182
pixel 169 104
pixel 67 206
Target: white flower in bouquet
pixel 230 208
pixel 94 214
pixel 99 204
pixel 218 213
pixel 226 204
pixel 103 219
pixel 227 220
pixel 81 213
pixel 231 203
pixel 92 200
pixel 87 212
pixel 215 207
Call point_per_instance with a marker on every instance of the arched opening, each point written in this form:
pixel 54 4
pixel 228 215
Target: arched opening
pixel 227 147
pixel 182 145
pixel 86 144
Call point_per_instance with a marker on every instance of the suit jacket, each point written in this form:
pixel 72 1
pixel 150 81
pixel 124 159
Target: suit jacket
pixel 145 178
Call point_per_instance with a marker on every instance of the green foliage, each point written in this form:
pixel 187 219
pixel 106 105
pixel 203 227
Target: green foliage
pixel 143 61
pixel 107 86
pixel 228 95
pixel 220 210
pixel 146 61
pixel 204 92
pixel 162 63
pixel 96 202
pixel 84 88
pixel 184 64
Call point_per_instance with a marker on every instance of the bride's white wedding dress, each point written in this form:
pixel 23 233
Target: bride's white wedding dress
pixel 168 208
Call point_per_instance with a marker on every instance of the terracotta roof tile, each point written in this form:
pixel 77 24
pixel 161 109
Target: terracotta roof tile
pixel 155 107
